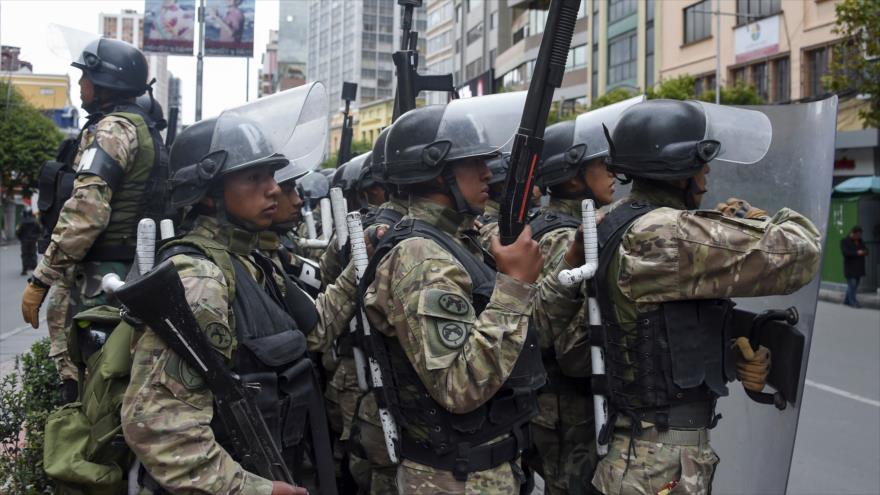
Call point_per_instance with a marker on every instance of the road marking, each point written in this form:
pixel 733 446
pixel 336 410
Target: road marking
pixel 13 333
pixel 844 393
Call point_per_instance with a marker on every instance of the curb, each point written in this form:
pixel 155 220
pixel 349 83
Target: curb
pixel 866 299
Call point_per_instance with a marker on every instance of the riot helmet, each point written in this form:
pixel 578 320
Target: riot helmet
pixel 425 140
pixel 377 161
pixel 312 187
pixel 671 139
pixel 499 167
pixel 349 182
pixel 569 146
pixel 336 178
pixel 114 65
pixel 153 109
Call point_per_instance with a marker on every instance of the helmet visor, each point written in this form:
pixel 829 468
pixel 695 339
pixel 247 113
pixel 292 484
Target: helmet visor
pixel 481 126
pixel 292 124
pixel 69 43
pixel 588 127
pixel 744 135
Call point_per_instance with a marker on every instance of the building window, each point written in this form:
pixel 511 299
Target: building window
pixel 473 69
pixel 492 53
pixel 619 9
pixel 594 78
pixel 649 55
pixel 537 21
pixel 817 66
pixel 493 20
pixel 697 22
pixel 702 84
pixel 519 34
pixel 577 58
pixel 582 9
pixel 759 80
pixel 738 76
pixel 110 27
pixel 749 10
pixel 439 42
pixel 781 80
pixel 622 55
pixel 475 33
pixel 649 10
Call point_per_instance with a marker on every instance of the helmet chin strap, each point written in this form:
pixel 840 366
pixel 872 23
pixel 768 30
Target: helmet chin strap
pixel 226 219
pixel 585 193
pixel 461 205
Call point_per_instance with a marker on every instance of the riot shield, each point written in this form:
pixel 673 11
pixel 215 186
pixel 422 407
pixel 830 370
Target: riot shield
pixel 756 441
pixel 588 126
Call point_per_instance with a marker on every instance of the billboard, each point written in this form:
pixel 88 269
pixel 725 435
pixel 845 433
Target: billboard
pixel 229 28
pixel 757 39
pixel 169 26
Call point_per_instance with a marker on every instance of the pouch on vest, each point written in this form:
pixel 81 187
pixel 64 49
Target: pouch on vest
pixel 84 450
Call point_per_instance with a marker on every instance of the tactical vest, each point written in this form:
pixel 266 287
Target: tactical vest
pixel 542 223
pixel 430 434
pixel 117 241
pixel 271 349
pixel 672 365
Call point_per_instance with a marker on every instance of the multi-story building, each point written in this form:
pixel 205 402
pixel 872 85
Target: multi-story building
pixel 781 47
pixel 49 93
pixel 293 48
pixel 269 70
pixel 353 41
pixel 128 26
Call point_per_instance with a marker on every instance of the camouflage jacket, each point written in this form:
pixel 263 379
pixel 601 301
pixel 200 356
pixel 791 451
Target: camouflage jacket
pixel 402 303
pixel 672 254
pixel 167 408
pixel 489 229
pixel 86 214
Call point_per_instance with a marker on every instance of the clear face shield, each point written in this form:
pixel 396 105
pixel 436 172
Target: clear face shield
pixel 588 131
pixel 269 130
pixel 480 126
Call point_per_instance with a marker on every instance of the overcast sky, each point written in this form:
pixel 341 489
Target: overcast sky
pixel 23 23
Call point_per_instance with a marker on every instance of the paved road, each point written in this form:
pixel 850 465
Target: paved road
pixel 838 446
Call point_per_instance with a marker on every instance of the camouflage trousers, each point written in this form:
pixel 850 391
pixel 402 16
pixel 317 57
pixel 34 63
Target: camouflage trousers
pixel 341 398
pixel 418 479
pixel 567 451
pixel 650 468
pixel 58 319
pixel 369 463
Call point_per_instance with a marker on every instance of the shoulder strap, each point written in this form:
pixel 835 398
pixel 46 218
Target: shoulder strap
pixel 543 222
pixel 202 247
pixel 610 233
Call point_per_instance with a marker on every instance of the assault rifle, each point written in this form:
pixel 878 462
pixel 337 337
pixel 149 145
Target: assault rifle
pixel 173 115
pixel 529 139
pixel 158 299
pixel 349 94
pixel 406 61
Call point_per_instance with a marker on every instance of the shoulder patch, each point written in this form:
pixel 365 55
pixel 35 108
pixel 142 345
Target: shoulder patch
pixel 177 369
pixel 220 336
pixel 446 304
pixel 452 334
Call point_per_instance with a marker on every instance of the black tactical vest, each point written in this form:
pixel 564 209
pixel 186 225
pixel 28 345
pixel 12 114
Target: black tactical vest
pixel 674 362
pixel 430 434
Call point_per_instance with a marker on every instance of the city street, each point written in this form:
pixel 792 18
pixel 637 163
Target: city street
pixel 838 445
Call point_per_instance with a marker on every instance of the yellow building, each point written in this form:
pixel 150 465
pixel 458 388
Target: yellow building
pixel 372 118
pixel 44 91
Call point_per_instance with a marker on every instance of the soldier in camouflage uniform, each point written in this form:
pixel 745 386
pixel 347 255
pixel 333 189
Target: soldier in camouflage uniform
pixel 450 333
pixel 667 270
pixel 117 152
pixel 564 431
pixel 57 311
pixel 167 410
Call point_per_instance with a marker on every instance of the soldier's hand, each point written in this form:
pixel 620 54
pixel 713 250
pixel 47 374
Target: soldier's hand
pixel 574 256
pixel 372 238
pixel 282 488
pixel 31 300
pixel 521 260
pixel 752 367
pixel 735 207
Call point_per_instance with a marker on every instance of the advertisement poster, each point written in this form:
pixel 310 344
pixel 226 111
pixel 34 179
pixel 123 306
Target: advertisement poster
pixel 169 26
pixel 757 40
pixel 229 28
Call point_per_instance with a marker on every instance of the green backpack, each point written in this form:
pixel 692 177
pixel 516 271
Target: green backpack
pixel 84 450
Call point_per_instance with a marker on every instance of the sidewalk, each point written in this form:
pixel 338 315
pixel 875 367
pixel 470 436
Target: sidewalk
pixel 834 293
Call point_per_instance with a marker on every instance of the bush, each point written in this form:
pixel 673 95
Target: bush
pixel 27 395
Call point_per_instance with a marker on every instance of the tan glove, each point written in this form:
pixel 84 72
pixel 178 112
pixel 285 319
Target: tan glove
pixel 752 367
pixel 735 207
pixel 31 300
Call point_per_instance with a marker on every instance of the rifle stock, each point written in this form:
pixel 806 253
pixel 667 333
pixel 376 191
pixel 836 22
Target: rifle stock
pixel 158 299
pixel 528 142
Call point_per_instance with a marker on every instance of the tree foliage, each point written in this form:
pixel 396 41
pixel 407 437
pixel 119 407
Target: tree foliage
pixel 27 395
pixel 611 97
pixel 856 62
pixel 27 139
pixel 357 148
pixel 684 87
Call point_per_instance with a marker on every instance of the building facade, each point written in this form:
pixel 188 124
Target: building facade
pixel 293 48
pixel 782 48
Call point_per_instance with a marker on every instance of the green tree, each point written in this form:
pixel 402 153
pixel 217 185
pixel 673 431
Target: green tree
pixel 613 96
pixel 856 62
pixel 27 139
pixel 357 147
pixel 684 87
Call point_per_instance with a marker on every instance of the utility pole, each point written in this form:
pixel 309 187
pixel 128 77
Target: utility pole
pixel 200 64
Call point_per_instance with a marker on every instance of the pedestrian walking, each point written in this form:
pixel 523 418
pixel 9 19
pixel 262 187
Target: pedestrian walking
pixel 28 231
pixel 854 252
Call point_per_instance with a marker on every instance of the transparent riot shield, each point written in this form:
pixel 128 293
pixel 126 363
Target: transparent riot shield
pixel 755 441
pixel 588 126
pixel 68 43
pixel 481 125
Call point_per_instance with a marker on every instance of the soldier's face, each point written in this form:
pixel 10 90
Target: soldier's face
pixel 251 195
pixel 86 90
pixel 289 204
pixel 700 181
pixel 600 181
pixel 473 177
